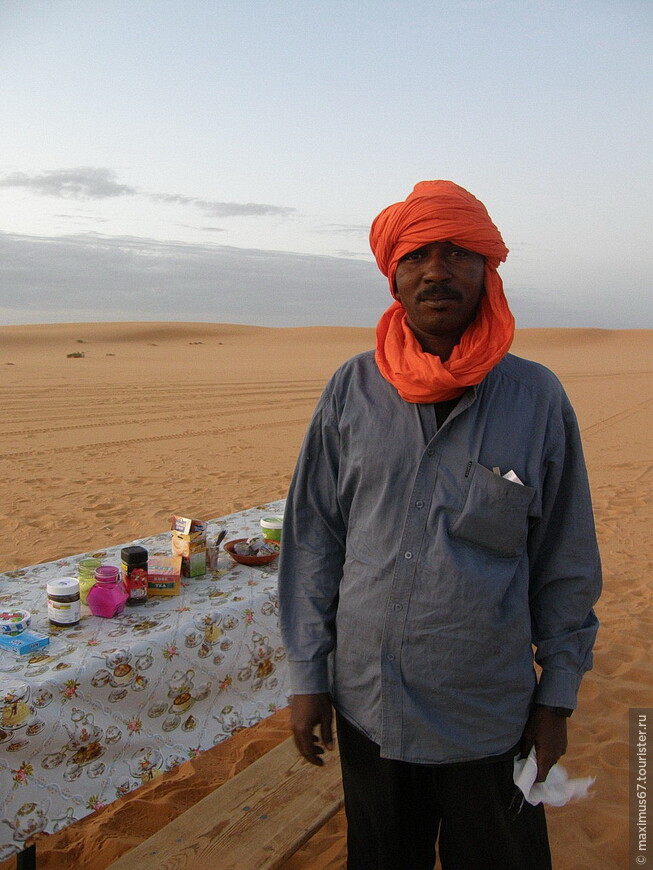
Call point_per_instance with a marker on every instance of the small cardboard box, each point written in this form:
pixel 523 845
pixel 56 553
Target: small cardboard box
pixel 163 574
pixel 23 643
pixel 189 542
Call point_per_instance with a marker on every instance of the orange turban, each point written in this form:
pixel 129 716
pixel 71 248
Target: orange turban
pixel 440 211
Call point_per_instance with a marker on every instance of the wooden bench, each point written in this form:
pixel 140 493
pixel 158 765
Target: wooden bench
pixel 255 820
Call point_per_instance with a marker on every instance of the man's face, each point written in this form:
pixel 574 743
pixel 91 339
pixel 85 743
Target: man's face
pixel 440 285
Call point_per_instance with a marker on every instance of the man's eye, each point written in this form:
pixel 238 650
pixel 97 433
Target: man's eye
pixel 458 253
pixel 412 255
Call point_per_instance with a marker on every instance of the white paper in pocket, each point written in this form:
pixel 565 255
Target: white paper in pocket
pixel 512 477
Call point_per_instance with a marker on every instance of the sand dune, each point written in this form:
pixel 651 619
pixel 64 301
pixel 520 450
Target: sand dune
pixel 149 419
pixel 212 413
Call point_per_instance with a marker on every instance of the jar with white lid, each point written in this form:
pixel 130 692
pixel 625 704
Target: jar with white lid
pixel 63 602
pixel 271 527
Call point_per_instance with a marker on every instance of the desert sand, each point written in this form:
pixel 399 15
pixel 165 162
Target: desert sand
pixel 149 419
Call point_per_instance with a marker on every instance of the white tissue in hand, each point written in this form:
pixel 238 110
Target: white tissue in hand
pixel 556 790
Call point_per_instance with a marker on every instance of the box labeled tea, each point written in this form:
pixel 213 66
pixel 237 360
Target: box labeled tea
pixel 189 542
pixel 163 573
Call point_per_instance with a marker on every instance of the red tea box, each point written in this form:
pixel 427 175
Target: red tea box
pixel 163 575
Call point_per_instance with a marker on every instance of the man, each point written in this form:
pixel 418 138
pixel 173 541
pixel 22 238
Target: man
pixel 438 537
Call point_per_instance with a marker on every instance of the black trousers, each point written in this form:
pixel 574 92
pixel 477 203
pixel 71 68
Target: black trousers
pixel 397 812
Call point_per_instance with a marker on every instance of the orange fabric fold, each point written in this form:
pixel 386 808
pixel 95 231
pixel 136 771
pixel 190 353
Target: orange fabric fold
pixel 440 211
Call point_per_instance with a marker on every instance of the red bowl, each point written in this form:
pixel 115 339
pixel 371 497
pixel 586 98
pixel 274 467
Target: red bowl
pixel 250 560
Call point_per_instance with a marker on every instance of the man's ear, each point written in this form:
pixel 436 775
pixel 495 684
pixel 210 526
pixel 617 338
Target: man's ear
pixel 394 290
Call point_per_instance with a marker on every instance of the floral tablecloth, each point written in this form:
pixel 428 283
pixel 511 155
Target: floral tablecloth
pixel 113 703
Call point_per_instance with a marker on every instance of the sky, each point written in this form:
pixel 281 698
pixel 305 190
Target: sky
pixel 223 160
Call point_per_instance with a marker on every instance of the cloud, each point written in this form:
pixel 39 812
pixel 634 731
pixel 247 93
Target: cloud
pixel 206 229
pixel 343 252
pixel 222 209
pixel 346 229
pixel 84 220
pixel 355 231
pixel 88 182
pixel 82 182
pixel 245 209
pixel 173 198
pixel 91 277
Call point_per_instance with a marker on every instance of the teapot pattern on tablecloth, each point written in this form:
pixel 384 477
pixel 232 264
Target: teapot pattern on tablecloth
pixel 19 718
pixel 31 818
pixel 262 663
pixel 121 674
pixel 111 704
pixel 85 746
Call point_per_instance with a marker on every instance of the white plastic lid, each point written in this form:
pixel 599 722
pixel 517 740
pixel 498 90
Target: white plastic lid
pixel 275 522
pixel 63 586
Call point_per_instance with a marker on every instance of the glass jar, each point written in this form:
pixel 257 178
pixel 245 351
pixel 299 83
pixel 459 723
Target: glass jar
pixel 133 567
pixel 63 602
pixel 86 576
pixel 107 596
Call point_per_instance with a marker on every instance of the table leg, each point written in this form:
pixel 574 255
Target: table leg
pixel 26 860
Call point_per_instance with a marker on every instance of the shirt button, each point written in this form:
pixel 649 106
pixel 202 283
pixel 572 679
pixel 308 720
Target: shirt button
pixel 429 452
pixel 391 657
pixel 408 555
pixel 419 504
pixel 398 606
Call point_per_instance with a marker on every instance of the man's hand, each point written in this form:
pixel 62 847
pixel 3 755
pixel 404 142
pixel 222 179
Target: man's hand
pixel 548 733
pixel 306 713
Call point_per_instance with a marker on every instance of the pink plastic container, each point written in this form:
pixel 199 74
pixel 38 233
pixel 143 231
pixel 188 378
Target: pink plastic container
pixel 108 595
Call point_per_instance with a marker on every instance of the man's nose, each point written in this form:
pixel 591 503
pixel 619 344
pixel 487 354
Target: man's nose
pixel 436 267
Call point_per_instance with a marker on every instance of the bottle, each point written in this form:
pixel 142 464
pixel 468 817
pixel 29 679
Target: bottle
pixel 86 576
pixel 107 596
pixel 134 574
pixel 63 602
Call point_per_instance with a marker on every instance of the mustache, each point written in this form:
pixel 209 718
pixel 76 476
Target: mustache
pixel 438 292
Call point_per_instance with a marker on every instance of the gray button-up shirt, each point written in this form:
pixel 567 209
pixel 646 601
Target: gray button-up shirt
pixel 417 584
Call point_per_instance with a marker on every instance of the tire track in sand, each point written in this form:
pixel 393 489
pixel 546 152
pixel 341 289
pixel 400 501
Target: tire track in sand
pixel 226 430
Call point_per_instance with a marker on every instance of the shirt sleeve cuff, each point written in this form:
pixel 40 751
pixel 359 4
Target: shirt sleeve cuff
pixel 309 678
pixel 557 689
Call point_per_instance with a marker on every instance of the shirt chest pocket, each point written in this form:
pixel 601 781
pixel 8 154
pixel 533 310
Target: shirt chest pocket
pixel 495 512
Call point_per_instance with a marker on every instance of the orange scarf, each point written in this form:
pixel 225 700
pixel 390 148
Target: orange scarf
pixel 440 211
